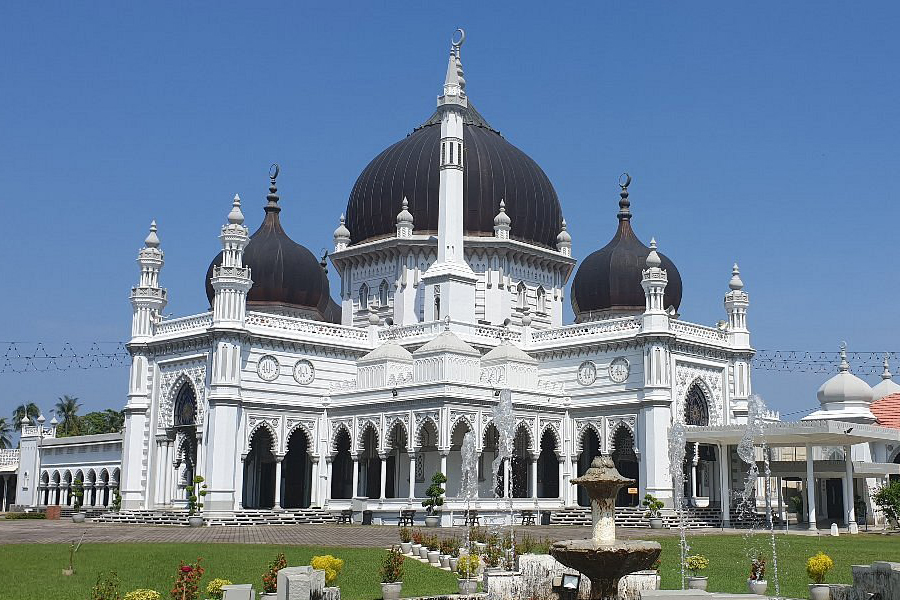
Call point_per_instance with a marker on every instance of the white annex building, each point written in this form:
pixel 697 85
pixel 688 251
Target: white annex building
pixel 453 257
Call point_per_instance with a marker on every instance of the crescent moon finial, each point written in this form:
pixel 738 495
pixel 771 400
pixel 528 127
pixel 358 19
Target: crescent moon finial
pixel 274 170
pixel 462 38
pixel 624 181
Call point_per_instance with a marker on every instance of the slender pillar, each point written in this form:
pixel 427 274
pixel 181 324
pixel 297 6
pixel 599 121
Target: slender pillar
pixel 725 484
pixel 329 468
pixel 383 456
pixel 314 482
pixel 695 458
pixel 199 468
pixel 279 483
pixel 412 476
pixel 167 473
pixel 779 491
pixel 444 454
pixel 810 488
pixel 534 475
pixel 507 478
pixel 355 475
pixel 562 478
pixel 849 508
pixel 571 490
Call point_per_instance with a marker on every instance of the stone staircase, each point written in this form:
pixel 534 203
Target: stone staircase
pixel 695 518
pixel 91 512
pixel 305 516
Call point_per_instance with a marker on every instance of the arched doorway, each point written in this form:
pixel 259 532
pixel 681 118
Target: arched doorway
pixel 454 460
pixel 104 486
pixel 625 459
pixel 590 449
pixel 297 471
pixel 184 421
pixel 370 465
pixel 397 467
pixel 491 480
pixel 521 475
pixel 342 466
pixel 57 493
pixel 428 461
pixel 45 488
pixel 548 467
pixel 697 480
pixel 259 471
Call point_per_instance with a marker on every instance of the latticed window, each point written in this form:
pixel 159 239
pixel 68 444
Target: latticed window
pixel 185 406
pixel 696 407
pixel 363 296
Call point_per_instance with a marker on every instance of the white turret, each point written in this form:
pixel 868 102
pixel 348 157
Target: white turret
pixel 887 385
pixel 654 283
pixel 231 279
pixel 564 240
pixel 341 236
pixel 502 223
pixel 147 298
pixel 736 303
pixel 404 221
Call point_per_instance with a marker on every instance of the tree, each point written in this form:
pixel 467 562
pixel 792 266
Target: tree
pixel 115 420
pixel 107 421
pixel 67 413
pixel 435 493
pixel 5 433
pixel 30 410
pixel 887 498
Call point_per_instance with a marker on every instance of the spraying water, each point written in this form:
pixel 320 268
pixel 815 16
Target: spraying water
pixel 677 443
pixel 505 422
pixel 469 485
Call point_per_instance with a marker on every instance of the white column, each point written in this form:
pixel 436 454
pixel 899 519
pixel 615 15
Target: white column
pixel 314 481
pixel 355 476
pixel 571 490
pixel 849 508
pixel 695 458
pixel 329 464
pixel 725 484
pixel 444 454
pixel 810 488
pixel 383 456
pixel 779 491
pixel 199 468
pixel 534 475
pixel 412 476
pixel 4 493
pixel 507 478
pixel 279 483
pixel 167 472
pixel 562 478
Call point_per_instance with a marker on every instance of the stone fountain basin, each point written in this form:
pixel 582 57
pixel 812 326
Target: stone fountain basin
pixel 610 560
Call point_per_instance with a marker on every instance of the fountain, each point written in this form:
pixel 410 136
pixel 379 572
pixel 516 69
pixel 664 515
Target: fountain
pixel 603 559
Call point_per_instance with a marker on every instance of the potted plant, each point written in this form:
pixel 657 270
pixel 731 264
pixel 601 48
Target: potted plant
pixel 405 540
pixel 467 569
pixel 446 549
pixel 330 564
pixel 654 508
pixel 187 581
pixel 270 578
pixel 478 537
pixel 817 567
pixel 434 549
pixel 435 500
pixel 417 537
pixel 696 563
pixel 454 554
pixel 77 498
pixel 214 588
pixel 195 493
pixel 392 574
pixel 756 583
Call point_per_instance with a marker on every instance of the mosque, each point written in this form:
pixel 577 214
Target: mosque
pixel 453 258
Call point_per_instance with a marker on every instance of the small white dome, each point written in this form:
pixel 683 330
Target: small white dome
pixel 404 216
pixel 342 233
pixel 502 218
pixel 844 389
pixel 564 236
pixel 886 386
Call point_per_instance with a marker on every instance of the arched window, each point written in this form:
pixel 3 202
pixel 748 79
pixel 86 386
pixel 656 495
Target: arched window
pixel 363 297
pixel 185 407
pixel 541 300
pixel 522 292
pixel 696 407
pixel 437 303
pixel 383 293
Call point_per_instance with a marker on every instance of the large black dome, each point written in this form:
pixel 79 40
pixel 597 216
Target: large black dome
pixel 493 170
pixel 284 273
pixel 609 280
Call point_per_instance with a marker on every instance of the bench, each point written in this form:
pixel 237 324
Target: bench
pixel 528 517
pixel 345 516
pixel 472 519
pixel 406 517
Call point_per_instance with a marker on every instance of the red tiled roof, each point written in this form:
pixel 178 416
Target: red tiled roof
pixel 887 411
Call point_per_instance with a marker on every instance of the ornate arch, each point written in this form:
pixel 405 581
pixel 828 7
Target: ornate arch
pixel 362 426
pixel 335 432
pixel 170 387
pixel 581 429
pixel 116 476
pixel 422 420
pixel 524 425
pixel 617 426
pixel 56 478
pixel 301 427
pixel 92 476
pixel 710 382
pixel 45 478
pixel 392 423
pixel 896 456
pixel 254 429
pixel 484 431
pixel 67 477
pixel 554 432
pixel 461 419
pixel 697 404
pixel 104 475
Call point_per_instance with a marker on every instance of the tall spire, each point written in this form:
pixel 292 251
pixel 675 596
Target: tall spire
pixel 152 240
pixel 236 217
pixel 624 203
pixel 736 283
pixel 272 197
pixel 886 374
pixel 845 366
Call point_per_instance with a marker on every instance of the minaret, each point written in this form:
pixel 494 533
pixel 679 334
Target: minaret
pixel 449 281
pixel 564 240
pixel 147 300
pixel 407 285
pixel 736 303
pixel 654 283
pixel 231 280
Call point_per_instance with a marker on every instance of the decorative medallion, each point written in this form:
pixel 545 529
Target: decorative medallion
pixel 267 368
pixel 304 372
pixel 587 373
pixel 619 369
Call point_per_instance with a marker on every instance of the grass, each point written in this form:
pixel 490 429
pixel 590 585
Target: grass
pixel 34 571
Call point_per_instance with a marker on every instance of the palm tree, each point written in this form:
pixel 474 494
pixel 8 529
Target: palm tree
pixel 67 412
pixel 5 433
pixel 30 410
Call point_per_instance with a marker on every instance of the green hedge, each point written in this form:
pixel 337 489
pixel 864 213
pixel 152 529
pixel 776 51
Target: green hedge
pixel 25 515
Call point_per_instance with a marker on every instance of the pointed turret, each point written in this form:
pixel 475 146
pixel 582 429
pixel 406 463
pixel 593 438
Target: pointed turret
pixel 404 221
pixel 231 280
pixel 341 236
pixel 564 240
pixel 502 223
pixel 147 298
pixel 736 303
pixel 887 386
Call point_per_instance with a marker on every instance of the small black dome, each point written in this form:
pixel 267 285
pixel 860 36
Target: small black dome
pixel 609 280
pixel 284 273
pixel 493 170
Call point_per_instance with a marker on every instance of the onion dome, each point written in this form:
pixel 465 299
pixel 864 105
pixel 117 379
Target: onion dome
pixel 152 240
pixel 608 282
pixel 886 386
pixel 493 169
pixel 285 274
pixel 844 396
pixel 564 237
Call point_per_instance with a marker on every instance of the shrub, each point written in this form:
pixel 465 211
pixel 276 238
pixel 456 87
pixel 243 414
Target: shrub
pixel 817 566
pixel 117 500
pixel 447 546
pixel 77 494
pixel 196 492
pixel 25 515
pixel 405 535
pixel 434 543
pixel 106 588
pixel 478 534
pixel 653 505
pixel 270 577
pixel 887 498
pixel 331 565
pixel 187 581
pixel 417 536
pixel 531 545
pixel 392 566
pixel 467 567
pixel 696 563
pixel 143 594
pixel 435 493
pixel 757 567
pixel 214 588
pixel 455 544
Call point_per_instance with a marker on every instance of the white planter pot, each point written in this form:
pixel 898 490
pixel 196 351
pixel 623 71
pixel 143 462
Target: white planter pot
pixel 454 560
pixel 406 547
pixel 433 521
pixel 656 523
pixel 414 548
pixel 423 552
pixel 433 556
pixel 480 547
pixel 78 517
pixel 467 587
pixel 391 591
pixel 444 560
pixel 700 501
pixel 195 521
pixel 697 583
pixel 819 591
pixel 272 596
pixel 757 586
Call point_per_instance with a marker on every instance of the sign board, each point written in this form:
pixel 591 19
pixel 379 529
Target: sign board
pixel 632 490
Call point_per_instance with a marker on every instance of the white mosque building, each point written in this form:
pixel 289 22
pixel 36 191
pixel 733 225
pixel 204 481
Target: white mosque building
pixel 453 258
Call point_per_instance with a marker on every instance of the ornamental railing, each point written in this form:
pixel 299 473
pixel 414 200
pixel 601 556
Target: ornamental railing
pixel 297 325
pixel 614 327
pixel 9 456
pixel 433 328
pixel 184 324
pixel 698 332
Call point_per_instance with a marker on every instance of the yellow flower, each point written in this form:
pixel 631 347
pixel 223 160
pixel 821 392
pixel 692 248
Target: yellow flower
pixel 328 563
pixel 817 566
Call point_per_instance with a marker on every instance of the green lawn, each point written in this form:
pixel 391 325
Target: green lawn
pixel 34 571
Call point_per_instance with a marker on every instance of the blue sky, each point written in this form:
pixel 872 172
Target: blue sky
pixel 764 134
